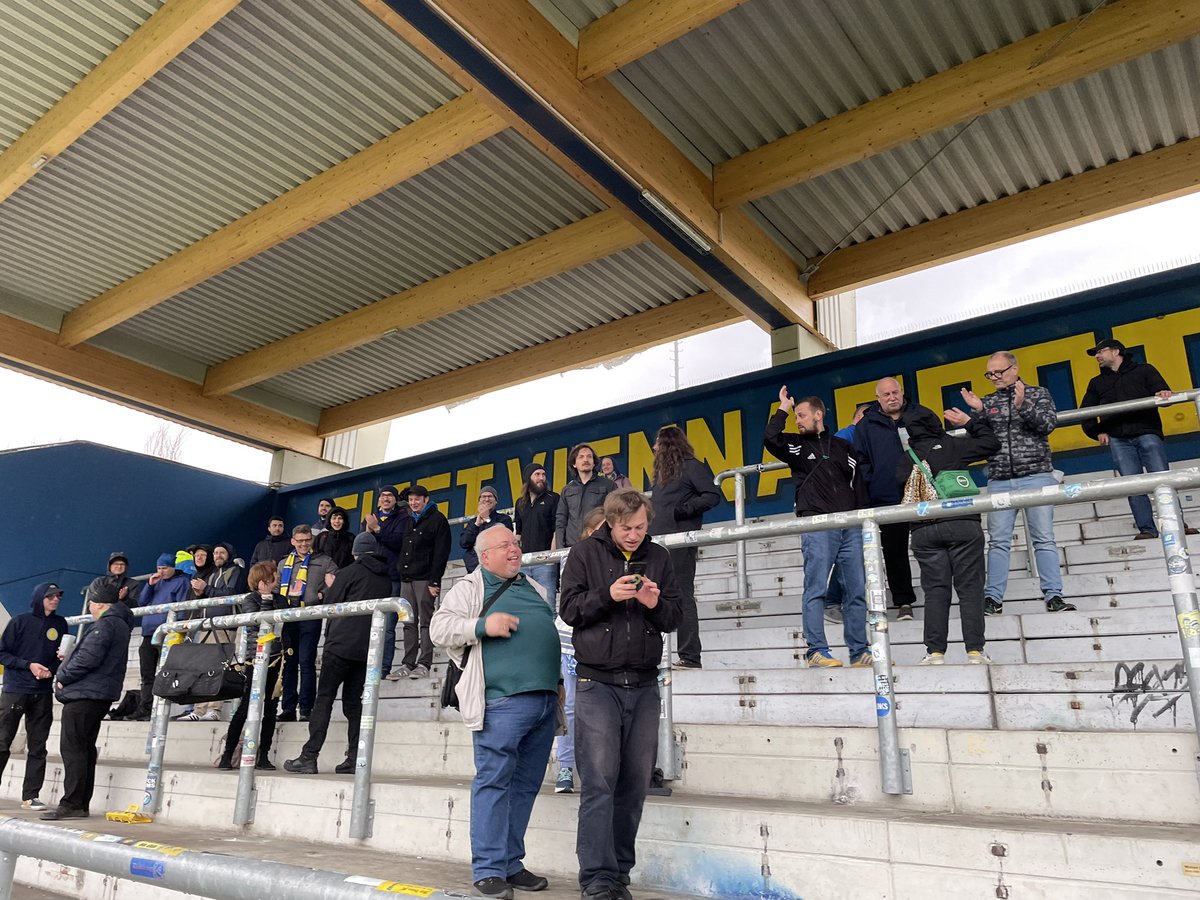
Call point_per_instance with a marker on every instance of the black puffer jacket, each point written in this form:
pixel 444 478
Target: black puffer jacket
pixel 1132 381
pixel 1023 432
pixel 877 440
pixel 96 670
pixel 617 643
pixel 680 504
pixel 364 579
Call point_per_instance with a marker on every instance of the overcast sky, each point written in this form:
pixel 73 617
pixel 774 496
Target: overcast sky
pixel 1145 240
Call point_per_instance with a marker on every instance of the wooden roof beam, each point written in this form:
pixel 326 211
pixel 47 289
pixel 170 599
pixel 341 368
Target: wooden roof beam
pixel 111 376
pixel 1096 194
pixel 407 152
pixel 1114 34
pixel 158 40
pixel 639 27
pixel 566 248
pixel 632 334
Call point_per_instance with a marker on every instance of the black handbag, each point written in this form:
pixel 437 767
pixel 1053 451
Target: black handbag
pixel 453 672
pixel 201 672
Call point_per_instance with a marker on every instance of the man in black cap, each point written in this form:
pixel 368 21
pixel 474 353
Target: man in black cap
pixel 421 564
pixel 118 574
pixel 389 523
pixel 29 654
pixel 1135 438
pixel 344 663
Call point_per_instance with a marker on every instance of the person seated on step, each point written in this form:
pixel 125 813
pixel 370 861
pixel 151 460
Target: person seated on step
pixel 825 470
pixel 950 550
pixel 508 698
pixel 264 581
pixel 344 658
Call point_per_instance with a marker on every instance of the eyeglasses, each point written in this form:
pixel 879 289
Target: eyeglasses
pixel 504 546
pixel 994 375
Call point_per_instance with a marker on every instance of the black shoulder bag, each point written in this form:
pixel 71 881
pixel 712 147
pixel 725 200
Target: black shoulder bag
pixel 201 672
pixel 453 672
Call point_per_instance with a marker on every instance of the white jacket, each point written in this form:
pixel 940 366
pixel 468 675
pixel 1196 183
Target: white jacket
pixel 453 627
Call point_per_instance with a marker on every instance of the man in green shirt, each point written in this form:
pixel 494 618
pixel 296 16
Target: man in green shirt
pixel 509 702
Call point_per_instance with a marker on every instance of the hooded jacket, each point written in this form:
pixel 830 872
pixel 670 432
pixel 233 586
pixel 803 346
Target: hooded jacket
pixel 364 579
pixel 175 589
pixel 273 547
pixel 96 670
pixel 877 440
pixel 32 637
pixel 118 581
pixel 1023 432
pixel 680 504
pixel 470 534
pixel 825 468
pixel 1132 381
pixel 426 547
pixel 227 581
pixel 337 545
pixel 575 502
pixel 617 643
pixel 942 451
pixel 534 520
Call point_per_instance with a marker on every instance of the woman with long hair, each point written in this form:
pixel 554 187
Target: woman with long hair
pixel 682 492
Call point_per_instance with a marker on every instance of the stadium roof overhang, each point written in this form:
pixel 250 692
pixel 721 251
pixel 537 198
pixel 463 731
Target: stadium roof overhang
pixel 280 221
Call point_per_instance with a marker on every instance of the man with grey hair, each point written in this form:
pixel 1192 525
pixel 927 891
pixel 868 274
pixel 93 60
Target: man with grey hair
pixel 1022 415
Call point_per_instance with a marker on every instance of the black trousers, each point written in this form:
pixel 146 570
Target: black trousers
pixel 38 711
pixel 350 675
pixel 951 552
pixel 80 728
pixel 237 723
pixel 894 538
pixel 683 561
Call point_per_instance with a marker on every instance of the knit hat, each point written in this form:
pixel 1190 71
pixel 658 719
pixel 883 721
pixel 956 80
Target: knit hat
pixel 364 544
pixel 166 559
pixel 185 563
pixel 104 592
pixel 388 489
pixel 488 489
pixel 529 469
pixel 118 555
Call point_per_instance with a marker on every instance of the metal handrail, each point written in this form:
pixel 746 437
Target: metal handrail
pixel 193 872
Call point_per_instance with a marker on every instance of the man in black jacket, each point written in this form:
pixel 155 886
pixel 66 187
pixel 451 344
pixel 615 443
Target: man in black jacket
pixel 390 523
pixel 118 573
pixel 534 518
pixel 275 546
pixel 422 563
pixel 86 684
pixel 1135 438
pixel 582 494
pixel 344 660
pixel 619 593
pixel 950 550
pixel 825 470
pixel 29 654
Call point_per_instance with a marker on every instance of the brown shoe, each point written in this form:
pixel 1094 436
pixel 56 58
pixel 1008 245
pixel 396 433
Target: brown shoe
pixel 1146 536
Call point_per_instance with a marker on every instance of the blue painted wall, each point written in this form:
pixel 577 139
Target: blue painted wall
pixel 69 505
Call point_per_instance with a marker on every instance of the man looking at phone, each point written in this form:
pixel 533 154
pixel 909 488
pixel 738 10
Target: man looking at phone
pixel 619 594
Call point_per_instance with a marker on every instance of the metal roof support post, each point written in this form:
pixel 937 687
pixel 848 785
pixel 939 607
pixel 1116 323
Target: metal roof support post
pixel 245 801
pixel 161 719
pixel 362 807
pixel 739 512
pixel 895 770
pixel 1183 591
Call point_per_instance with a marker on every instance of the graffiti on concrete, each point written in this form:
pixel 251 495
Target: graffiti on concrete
pixel 1141 687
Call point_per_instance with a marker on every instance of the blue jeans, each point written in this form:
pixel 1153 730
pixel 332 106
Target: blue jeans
pixel 303 638
pixel 510 762
pixel 565 751
pixel 389 636
pixel 1132 456
pixel 1040 522
pixel 545 575
pixel 823 549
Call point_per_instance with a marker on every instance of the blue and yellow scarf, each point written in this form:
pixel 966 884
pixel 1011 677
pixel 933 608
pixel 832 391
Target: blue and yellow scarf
pixel 293 578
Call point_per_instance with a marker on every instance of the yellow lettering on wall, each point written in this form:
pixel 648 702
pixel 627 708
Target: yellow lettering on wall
pixel 845 399
pixel 609 446
pixel 561 473
pixel 473 479
pixel 931 381
pixel 641 461
pixel 368 504
pixel 707 450
pixel 516 484
pixel 1072 351
pixel 348 502
pixel 1162 338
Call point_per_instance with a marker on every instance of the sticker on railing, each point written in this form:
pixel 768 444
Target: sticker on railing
pixel 147 868
pixel 392 887
pixel 883 706
pixel 1189 624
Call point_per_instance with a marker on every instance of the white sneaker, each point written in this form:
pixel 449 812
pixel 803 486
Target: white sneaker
pixel 934 659
pixel 978 658
pixel 211 716
pixel 397 674
pixel 35 803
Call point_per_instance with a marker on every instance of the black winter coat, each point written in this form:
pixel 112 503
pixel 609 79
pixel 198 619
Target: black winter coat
pixel 574 503
pixel 1132 381
pixel 470 534
pixel 617 643
pixel 1023 432
pixel 96 669
pixel 942 451
pixel 337 545
pixel 426 548
pixel 393 531
pixel 825 468
pixel 228 581
pixel 364 579
pixel 32 637
pixel 256 602
pixel 272 547
pixel 680 504
pixel 535 522
pixel 877 440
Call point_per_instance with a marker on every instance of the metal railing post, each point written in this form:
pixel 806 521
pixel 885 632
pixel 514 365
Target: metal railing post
pixel 8 871
pixel 739 512
pixel 160 720
pixel 244 803
pixel 362 809
pixel 1182 582
pixel 242 649
pixel 895 771
pixel 668 753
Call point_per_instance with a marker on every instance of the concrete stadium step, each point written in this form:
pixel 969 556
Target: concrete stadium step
pixel 734 846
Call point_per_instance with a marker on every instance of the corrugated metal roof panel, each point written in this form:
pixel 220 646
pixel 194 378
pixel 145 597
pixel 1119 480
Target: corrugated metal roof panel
pixel 48 46
pixel 493 196
pixel 273 94
pixel 584 12
pixel 771 67
pixel 620 285
pixel 1124 111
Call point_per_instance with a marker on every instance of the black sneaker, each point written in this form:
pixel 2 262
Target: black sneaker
pixel 289 716
pixel 301 765
pixel 904 613
pixel 1055 603
pixel 527 881
pixel 686 664
pixel 620 892
pixel 303 716
pixel 493 887
pixel 345 767
pixel 265 765
pixel 992 607
pixel 64 812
